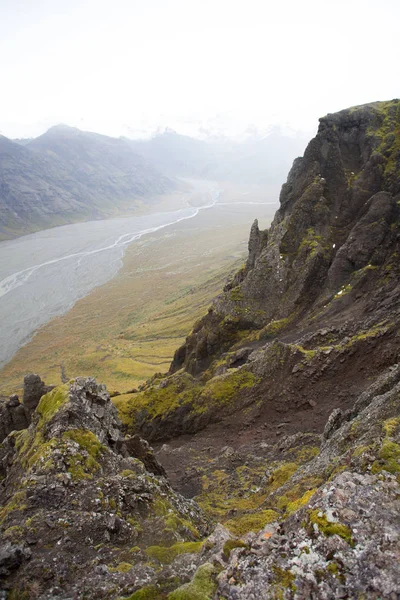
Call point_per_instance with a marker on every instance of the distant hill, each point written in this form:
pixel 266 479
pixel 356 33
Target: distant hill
pixel 67 175
pixel 253 160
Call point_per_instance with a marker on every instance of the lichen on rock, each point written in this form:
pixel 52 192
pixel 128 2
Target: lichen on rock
pixel 80 505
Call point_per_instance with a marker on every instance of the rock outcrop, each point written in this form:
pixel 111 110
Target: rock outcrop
pixel 79 515
pixel 337 223
pixel 340 539
pixel 312 317
pixel 15 416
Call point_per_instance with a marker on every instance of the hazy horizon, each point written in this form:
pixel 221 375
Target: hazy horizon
pixel 203 69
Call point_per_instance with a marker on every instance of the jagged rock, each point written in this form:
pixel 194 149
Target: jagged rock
pixel 11 557
pixel 34 389
pixel 139 448
pixel 333 423
pixel 338 215
pixel 309 325
pixel 342 546
pixel 13 401
pixel 254 245
pixel 12 417
pixel 72 491
pixel 15 416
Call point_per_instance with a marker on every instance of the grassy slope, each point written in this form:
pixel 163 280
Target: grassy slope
pixel 128 329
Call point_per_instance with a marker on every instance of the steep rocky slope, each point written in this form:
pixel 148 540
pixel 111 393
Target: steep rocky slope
pixel 67 175
pixel 279 419
pixel 313 316
pixel 80 515
pixel 87 513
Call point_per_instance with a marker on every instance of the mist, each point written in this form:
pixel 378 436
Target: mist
pixel 202 68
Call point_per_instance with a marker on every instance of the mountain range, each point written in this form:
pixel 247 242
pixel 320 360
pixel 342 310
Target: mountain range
pixel 67 175
pixel 252 160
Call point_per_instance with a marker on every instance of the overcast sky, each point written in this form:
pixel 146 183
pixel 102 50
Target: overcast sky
pixel 120 66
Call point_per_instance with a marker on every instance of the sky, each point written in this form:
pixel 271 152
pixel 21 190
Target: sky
pixel 130 67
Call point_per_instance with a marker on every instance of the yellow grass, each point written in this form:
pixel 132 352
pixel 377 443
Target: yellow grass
pixel 128 329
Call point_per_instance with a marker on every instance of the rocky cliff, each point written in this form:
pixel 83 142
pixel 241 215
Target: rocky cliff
pixel 312 317
pixel 337 224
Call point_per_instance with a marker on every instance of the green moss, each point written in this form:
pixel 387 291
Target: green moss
pixel 222 389
pixel 87 441
pixel 123 567
pixel 161 507
pixel 389 450
pixel 327 528
pixel 311 242
pixel 388 135
pixel 175 523
pixel 390 426
pixel 182 389
pixel 360 450
pixel 308 354
pixel 236 294
pixel 231 545
pixel 18 594
pixel 166 554
pixel 202 586
pixel 389 458
pixel 52 402
pixel 298 495
pixel 345 289
pixel 127 473
pixel 275 327
pixel 135 524
pixel 150 592
pixel 35 450
pixel 281 475
pixel 251 522
pixel 15 532
pixel 159 401
pixel 17 502
pixel 294 505
pixel 307 453
pixel 284 578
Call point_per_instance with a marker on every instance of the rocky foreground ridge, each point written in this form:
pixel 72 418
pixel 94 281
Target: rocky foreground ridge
pixel 278 424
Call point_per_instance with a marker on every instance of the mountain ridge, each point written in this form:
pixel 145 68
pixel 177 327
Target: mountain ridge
pixel 260 160
pixel 67 176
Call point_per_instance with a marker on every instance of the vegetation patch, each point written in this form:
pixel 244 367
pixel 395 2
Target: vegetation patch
pixel 17 502
pixel 150 592
pixel 283 579
pixel 123 567
pixel 251 522
pixel 281 475
pixel 231 545
pixel 167 554
pixel 389 458
pixel 202 586
pixel 328 528
pixel 52 402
